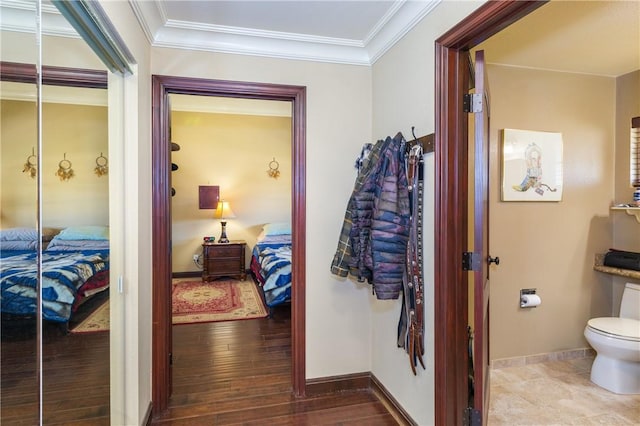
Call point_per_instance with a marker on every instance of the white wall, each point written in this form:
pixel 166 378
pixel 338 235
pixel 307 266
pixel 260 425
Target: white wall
pixel 338 123
pixel 136 91
pixel 403 96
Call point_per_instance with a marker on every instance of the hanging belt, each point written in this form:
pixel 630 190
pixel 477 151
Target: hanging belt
pixel 411 324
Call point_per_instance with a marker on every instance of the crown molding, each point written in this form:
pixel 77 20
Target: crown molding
pixel 19 16
pixel 163 32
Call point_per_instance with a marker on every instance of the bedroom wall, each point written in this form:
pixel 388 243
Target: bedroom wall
pixel 80 131
pixel 403 96
pixel 626 230
pixel 338 123
pixel 232 151
pixel 551 245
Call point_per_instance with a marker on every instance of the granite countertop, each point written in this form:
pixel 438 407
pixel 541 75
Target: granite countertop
pixel 598 266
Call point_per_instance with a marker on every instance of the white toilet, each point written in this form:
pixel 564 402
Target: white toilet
pixel 616 341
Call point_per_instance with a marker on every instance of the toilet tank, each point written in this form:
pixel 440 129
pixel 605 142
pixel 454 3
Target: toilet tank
pixel 630 305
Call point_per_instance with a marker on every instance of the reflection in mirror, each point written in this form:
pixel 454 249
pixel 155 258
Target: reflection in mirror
pixel 19 396
pixel 73 193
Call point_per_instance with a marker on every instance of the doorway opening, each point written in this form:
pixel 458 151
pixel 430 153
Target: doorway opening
pixel 162 87
pixel 452 76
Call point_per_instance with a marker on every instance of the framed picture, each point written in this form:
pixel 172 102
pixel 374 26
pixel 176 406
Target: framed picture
pixel 531 165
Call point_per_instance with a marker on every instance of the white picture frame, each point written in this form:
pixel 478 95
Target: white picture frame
pixel 532 165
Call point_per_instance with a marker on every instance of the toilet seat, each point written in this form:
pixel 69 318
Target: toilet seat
pixel 615 327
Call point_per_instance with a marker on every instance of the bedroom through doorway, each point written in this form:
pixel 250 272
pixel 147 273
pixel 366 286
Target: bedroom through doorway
pixel 186 235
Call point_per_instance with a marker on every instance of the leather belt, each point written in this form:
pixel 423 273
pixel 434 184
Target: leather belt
pixel 411 324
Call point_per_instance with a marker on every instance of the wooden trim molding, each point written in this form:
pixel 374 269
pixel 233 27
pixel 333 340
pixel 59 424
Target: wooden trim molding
pixel 452 79
pixel 56 76
pixel 162 86
pixel 359 382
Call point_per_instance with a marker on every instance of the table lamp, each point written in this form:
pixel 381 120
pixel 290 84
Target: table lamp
pixel 223 211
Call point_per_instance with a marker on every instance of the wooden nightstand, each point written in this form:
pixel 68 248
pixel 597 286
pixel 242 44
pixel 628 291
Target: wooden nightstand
pixel 223 260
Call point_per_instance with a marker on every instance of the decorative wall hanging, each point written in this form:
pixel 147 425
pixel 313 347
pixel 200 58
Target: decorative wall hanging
pixel 273 169
pixel 31 165
pixel 65 172
pixel 531 165
pixel 102 165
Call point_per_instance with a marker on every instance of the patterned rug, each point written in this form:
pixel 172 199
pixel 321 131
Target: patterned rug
pixel 195 301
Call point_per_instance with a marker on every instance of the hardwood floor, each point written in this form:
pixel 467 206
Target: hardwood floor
pixel 224 373
pixel 239 372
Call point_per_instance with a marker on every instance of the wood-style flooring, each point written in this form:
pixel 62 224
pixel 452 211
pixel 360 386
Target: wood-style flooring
pixel 225 373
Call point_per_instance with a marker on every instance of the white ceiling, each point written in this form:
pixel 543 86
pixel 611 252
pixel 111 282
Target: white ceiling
pixel 352 31
pixel 594 37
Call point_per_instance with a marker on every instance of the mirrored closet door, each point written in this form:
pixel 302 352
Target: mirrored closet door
pixel 19 366
pixel 56 347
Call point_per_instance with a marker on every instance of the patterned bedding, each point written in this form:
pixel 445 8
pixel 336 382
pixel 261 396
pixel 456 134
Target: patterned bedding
pixel 65 279
pixel 271 264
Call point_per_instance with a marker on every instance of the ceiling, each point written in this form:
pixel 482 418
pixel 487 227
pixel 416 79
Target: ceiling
pixel 353 31
pixel 593 37
pixel 590 37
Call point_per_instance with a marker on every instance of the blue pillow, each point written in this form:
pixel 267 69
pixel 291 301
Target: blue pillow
pixel 84 233
pixel 278 228
pixel 19 234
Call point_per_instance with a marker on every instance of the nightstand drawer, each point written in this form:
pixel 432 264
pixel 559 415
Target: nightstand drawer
pixel 226 251
pixel 223 260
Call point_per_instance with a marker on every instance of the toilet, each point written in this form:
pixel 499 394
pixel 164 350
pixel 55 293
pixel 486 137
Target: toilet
pixel 616 341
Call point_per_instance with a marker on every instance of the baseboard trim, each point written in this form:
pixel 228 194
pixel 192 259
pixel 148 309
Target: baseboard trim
pixel 334 384
pixel 520 361
pixel 391 403
pixel 359 382
pixel 190 274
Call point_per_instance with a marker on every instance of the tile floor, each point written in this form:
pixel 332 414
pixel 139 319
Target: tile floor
pixel 557 393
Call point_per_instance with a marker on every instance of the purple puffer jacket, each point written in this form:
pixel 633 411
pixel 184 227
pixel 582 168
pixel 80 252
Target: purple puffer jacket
pixel 380 230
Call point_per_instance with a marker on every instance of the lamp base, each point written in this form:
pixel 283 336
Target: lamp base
pixel 223 236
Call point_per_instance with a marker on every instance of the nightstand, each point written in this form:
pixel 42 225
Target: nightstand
pixel 223 260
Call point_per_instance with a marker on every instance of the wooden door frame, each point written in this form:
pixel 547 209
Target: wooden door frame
pixel 162 86
pixel 451 199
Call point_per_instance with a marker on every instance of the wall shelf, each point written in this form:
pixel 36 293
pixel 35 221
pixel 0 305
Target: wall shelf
pixel 628 273
pixel 631 211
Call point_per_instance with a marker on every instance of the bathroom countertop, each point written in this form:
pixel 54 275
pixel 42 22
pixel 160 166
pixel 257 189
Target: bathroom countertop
pixel 598 266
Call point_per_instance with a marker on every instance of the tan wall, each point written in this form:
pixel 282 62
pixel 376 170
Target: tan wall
pixel 551 245
pixel 233 152
pixel 626 230
pixel 80 132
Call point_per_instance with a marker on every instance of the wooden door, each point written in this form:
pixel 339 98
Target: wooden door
pixel 480 109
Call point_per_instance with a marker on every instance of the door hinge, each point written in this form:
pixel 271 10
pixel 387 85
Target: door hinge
pixel 472 417
pixel 470 261
pixel 472 102
pixel 170 358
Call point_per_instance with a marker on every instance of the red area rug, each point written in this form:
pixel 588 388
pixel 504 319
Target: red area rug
pixel 195 301
pixel 222 300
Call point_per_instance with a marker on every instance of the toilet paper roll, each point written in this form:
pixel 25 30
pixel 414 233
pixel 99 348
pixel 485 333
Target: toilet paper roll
pixel 530 300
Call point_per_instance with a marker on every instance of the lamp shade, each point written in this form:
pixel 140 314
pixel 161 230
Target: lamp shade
pixel 223 211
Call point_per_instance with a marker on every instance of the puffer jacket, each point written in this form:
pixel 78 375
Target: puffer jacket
pixel 380 217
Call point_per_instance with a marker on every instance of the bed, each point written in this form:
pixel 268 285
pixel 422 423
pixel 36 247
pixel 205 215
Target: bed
pixel 75 266
pixel 271 264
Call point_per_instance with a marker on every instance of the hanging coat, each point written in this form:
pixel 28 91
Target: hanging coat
pixel 374 236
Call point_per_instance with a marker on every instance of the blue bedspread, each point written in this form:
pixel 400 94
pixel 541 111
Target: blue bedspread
pixel 275 268
pixel 63 273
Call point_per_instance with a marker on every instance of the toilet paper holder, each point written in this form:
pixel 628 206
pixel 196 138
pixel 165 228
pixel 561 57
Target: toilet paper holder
pixel 523 292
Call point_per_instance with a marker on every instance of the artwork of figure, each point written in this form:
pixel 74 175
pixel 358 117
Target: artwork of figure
pixel 533 176
pixel 531 165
